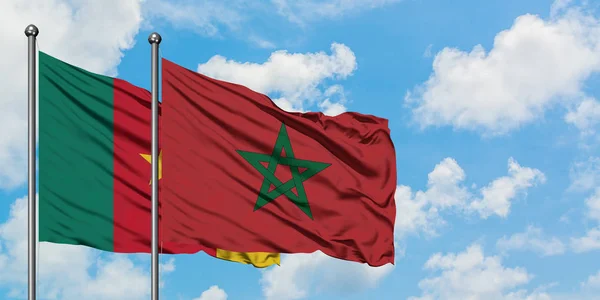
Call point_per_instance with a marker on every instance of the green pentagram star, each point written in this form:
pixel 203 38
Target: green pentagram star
pixel 311 168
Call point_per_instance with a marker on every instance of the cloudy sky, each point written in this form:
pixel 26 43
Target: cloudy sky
pixel 493 108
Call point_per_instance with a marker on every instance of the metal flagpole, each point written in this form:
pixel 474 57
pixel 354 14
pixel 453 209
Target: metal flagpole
pixel 31 32
pixel 154 39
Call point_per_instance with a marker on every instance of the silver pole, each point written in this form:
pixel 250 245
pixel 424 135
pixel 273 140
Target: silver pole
pixel 154 40
pixel 31 32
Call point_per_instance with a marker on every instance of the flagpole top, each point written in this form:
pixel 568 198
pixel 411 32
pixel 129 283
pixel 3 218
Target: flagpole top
pixel 154 38
pixel 32 30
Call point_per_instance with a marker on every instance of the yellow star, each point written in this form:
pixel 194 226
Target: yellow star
pixel 148 158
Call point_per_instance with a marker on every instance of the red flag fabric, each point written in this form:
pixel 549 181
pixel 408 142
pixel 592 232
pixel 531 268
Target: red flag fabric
pixel 239 173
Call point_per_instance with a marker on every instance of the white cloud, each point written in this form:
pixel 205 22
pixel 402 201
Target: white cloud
pixel 420 212
pixel 302 274
pixel 287 105
pixel 68 271
pixel 167 267
pixel 593 205
pixel 585 175
pixel 414 214
pixel 213 293
pixel 211 17
pixel 90 34
pixel 261 42
pixel 586 116
pixel 204 16
pixel 588 290
pixel 524 295
pixel 498 194
pixel 296 77
pixel 331 109
pixel 589 242
pixel 214 18
pixel 472 275
pixel 532 66
pixel 565 217
pixel 118 278
pixel 427 53
pixel 444 189
pixel 592 283
pixel 533 240
pixel 330 106
pixel 559 6
pixel 308 10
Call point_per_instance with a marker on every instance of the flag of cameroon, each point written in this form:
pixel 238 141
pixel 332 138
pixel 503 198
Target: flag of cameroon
pixel 94 164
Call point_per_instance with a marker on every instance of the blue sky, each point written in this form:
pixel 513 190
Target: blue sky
pixel 493 111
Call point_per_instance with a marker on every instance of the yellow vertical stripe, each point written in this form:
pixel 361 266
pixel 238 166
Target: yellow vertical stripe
pixel 257 259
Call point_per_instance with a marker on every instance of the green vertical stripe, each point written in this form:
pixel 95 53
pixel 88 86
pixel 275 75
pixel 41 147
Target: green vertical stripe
pixel 75 155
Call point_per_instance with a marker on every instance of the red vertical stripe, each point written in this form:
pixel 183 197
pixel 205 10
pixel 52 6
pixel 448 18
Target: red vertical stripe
pixel 132 137
pixel 132 194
